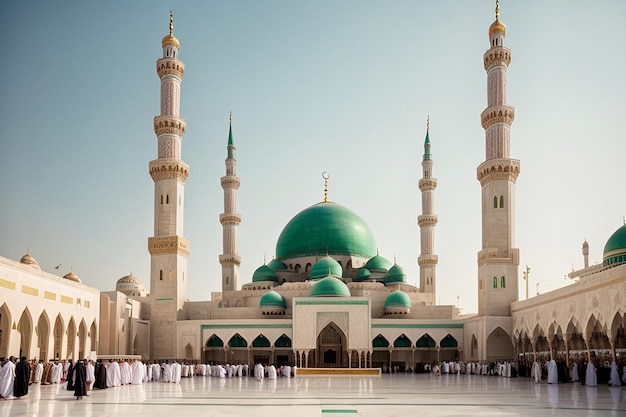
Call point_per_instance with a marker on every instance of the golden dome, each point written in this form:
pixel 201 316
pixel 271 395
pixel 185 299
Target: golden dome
pixel 170 40
pixel 30 261
pixel 72 277
pixel 497 26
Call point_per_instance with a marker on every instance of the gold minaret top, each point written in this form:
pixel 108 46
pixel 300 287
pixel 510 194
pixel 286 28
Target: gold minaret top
pixel 497 26
pixel 171 39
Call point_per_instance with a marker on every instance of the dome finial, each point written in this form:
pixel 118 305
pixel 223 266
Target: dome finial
pixel 427 123
pixel 171 23
pixel 325 176
pixel 497 9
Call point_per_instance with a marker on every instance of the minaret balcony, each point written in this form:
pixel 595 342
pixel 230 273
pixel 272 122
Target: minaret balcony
pixel 427 184
pixel 427 259
pixel 497 56
pixel 499 169
pixel 170 66
pixel 159 245
pixel 427 220
pixel 168 169
pixel 167 124
pixel 230 219
pixel 230 182
pixel 230 259
pixel 497 114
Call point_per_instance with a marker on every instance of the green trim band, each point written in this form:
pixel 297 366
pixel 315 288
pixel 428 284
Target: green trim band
pixel 331 302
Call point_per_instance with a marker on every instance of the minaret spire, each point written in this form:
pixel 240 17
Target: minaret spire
pixel 168 248
pixel 230 219
pixel 498 260
pixel 427 221
pixel 325 176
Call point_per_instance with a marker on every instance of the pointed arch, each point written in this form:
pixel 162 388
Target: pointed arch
pixel 71 339
pixel 261 342
pixel 188 351
pixel 93 336
pixel 82 340
pixel 237 341
pixel 402 342
pixel 499 345
pixel 283 342
pixel 448 342
pixel 474 347
pixel 5 330
pixel 43 335
pixel 59 330
pixel 380 342
pixel 214 342
pixel 25 329
pixel 425 341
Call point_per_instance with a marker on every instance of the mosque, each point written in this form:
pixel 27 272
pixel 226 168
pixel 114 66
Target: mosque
pixel 327 299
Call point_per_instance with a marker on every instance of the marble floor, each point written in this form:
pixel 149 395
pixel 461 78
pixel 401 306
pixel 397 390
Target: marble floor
pixel 388 396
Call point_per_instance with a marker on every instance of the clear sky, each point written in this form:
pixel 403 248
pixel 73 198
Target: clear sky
pixel 337 86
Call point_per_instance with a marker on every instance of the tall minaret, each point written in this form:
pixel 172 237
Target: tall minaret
pixel 427 221
pixel 498 260
pixel 230 219
pixel 168 249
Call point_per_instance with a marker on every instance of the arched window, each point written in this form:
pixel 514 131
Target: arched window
pixel 161 275
pixel 167 199
pixel 495 282
pixel 298 267
pixel 495 202
pixel 502 282
pixel 161 199
pixel 501 201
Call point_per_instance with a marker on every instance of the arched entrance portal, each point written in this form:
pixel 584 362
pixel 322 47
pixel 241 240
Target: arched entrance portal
pixel 331 348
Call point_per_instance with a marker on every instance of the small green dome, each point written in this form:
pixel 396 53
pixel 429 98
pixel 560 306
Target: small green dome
pixel 615 248
pixel 378 264
pixel 395 275
pixel 397 299
pixel 325 267
pixel 329 287
pixel 325 229
pixel 276 265
pixel 264 273
pixel 362 274
pixel 272 299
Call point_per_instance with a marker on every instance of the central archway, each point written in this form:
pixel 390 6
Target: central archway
pixel 331 348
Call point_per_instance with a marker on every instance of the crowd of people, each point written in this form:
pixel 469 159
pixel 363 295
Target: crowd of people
pixel 86 375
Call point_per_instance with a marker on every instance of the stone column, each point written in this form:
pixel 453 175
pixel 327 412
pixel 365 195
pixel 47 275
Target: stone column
pixel 587 338
pixel 566 338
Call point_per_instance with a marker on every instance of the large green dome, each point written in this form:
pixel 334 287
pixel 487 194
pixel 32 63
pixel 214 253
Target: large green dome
pixel 272 299
pixel 615 248
pixel 398 299
pixel 325 229
pixel 264 273
pixel 395 275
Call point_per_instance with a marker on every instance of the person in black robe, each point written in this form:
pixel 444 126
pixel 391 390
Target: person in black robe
pixel 80 380
pixel 100 375
pixel 70 373
pixel 22 378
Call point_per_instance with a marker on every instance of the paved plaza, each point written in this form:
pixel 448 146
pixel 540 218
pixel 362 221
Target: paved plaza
pixel 390 395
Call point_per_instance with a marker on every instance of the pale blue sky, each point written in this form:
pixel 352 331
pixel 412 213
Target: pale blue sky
pixel 337 86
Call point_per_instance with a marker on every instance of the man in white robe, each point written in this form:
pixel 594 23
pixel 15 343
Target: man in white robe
pixel 38 372
pixel 614 381
pixel 137 373
pixel 221 371
pixel 57 373
pixel 536 371
pixel 553 375
pixel 287 371
pixel 176 372
pixel 90 374
pixel 156 372
pixel 574 372
pixel 7 379
pixel 591 379
pixel 125 372
pixel 259 373
pixel 114 376
pixel 167 373
pixel 271 372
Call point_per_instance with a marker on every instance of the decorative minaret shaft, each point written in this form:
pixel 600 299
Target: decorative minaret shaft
pixel 498 260
pixel 230 220
pixel 427 221
pixel 168 249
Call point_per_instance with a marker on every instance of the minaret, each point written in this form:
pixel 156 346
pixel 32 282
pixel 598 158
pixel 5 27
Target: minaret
pixel 586 253
pixel 427 221
pixel 230 219
pixel 498 260
pixel 168 248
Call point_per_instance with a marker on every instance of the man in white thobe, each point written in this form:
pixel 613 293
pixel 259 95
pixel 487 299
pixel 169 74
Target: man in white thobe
pixel 176 372
pixel 287 371
pixel 7 379
pixel 114 377
pixel 553 375
pixel 615 376
pixel 137 373
pixel 259 372
pixel 536 372
pixel 167 372
pixel 125 372
pixel 591 379
pixel 271 372
pixel 90 374
pixel 38 372
pixel 57 373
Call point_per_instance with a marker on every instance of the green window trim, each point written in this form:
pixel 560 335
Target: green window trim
pixel 495 282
